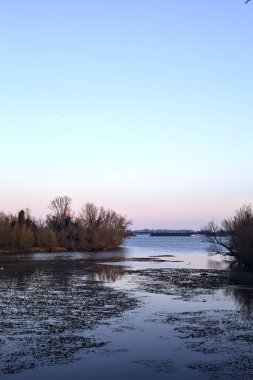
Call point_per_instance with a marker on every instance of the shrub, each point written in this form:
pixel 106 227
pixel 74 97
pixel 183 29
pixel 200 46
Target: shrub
pixel 234 237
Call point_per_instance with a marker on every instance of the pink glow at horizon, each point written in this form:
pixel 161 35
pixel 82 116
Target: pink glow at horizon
pixel 163 213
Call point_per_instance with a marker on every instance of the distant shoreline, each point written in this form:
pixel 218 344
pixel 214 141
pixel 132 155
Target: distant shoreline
pixel 171 234
pixel 160 232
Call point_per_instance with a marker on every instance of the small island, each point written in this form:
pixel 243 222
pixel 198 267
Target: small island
pixel 93 229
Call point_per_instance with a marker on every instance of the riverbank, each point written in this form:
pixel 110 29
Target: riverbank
pixel 32 250
pixel 35 250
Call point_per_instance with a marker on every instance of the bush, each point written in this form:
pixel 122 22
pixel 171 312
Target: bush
pixel 234 237
pixel 94 229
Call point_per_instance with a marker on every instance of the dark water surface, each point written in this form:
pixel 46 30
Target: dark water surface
pixel 159 308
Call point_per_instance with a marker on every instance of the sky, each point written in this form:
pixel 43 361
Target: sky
pixel 142 106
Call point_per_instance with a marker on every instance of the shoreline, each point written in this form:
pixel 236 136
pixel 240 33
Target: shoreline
pixel 56 250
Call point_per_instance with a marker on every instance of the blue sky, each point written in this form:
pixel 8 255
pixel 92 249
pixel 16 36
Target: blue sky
pixel 141 106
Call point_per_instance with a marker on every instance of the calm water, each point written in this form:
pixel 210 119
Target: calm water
pixel 187 251
pixel 42 299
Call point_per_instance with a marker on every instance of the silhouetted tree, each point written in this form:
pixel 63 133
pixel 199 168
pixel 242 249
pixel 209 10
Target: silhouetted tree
pixel 21 217
pixel 60 218
pixel 239 240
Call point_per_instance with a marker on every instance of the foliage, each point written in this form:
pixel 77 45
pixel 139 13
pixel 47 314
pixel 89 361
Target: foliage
pixel 94 229
pixel 103 228
pixel 234 237
pixel 47 239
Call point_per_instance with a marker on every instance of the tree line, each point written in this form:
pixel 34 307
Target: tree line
pixel 93 229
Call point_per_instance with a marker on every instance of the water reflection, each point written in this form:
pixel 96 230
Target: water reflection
pixel 241 290
pixel 243 298
pixel 107 273
pixel 113 256
pixel 218 264
pixel 46 307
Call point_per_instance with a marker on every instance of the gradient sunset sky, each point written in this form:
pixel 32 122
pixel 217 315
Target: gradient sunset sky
pixel 143 106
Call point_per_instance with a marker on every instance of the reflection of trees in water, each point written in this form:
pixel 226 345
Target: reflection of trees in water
pixel 45 304
pixel 220 262
pixel 241 290
pixel 243 298
pixel 107 273
pixel 108 256
pixel 217 264
pixel 240 284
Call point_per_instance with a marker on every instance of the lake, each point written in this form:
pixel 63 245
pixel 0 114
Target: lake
pixel 159 308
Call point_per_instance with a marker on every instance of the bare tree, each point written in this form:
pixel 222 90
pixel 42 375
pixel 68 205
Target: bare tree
pixel 60 207
pixel 234 237
pixel 103 229
pixel 90 215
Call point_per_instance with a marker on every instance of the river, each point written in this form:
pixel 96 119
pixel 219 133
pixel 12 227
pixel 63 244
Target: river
pixel 159 308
